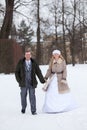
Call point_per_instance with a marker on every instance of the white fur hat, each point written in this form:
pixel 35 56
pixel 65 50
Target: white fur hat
pixel 56 52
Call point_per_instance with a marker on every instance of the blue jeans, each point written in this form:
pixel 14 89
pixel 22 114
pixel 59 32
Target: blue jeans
pixel 32 97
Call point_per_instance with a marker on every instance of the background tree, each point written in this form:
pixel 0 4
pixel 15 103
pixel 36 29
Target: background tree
pixel 64 23
pixel 7 22
pixel 38 51
pixel 63 28
pixel 71 26
pixel 25 33
pixel 54 20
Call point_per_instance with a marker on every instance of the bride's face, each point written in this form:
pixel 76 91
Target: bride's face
pixel 56 56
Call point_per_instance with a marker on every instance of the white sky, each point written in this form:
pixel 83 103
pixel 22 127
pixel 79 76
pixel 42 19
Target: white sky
pixel 12 119
pixel 2 1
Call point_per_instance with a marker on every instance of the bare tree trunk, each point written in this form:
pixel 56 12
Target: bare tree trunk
pixel 56 34
pixel 84 30
pixel 81 35
pixel 64 44
pixel 38 51
pixel 7 23
pixel 73 37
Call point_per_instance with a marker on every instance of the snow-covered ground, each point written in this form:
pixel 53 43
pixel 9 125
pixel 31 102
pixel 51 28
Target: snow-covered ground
pixel 10 107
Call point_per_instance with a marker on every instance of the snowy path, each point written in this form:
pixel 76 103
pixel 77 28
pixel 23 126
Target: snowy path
pixel 12 119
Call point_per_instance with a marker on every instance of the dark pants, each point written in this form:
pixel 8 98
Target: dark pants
pixel 32 97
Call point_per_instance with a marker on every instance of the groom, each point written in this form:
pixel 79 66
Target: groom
pixel 26 71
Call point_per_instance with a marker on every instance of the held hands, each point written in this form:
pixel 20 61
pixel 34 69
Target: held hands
pixel 44 88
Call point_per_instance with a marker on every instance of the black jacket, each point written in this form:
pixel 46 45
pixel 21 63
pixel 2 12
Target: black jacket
pixel 20 73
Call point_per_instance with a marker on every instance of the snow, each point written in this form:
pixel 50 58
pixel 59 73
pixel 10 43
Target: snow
pixel 10 107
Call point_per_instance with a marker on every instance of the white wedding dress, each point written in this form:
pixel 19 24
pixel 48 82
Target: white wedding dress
pixel 55 102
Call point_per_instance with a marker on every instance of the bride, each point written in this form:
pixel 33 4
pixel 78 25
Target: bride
pixel 58 97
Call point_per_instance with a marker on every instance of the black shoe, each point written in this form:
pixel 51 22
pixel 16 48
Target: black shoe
pixel 23 111
pixel 34 113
